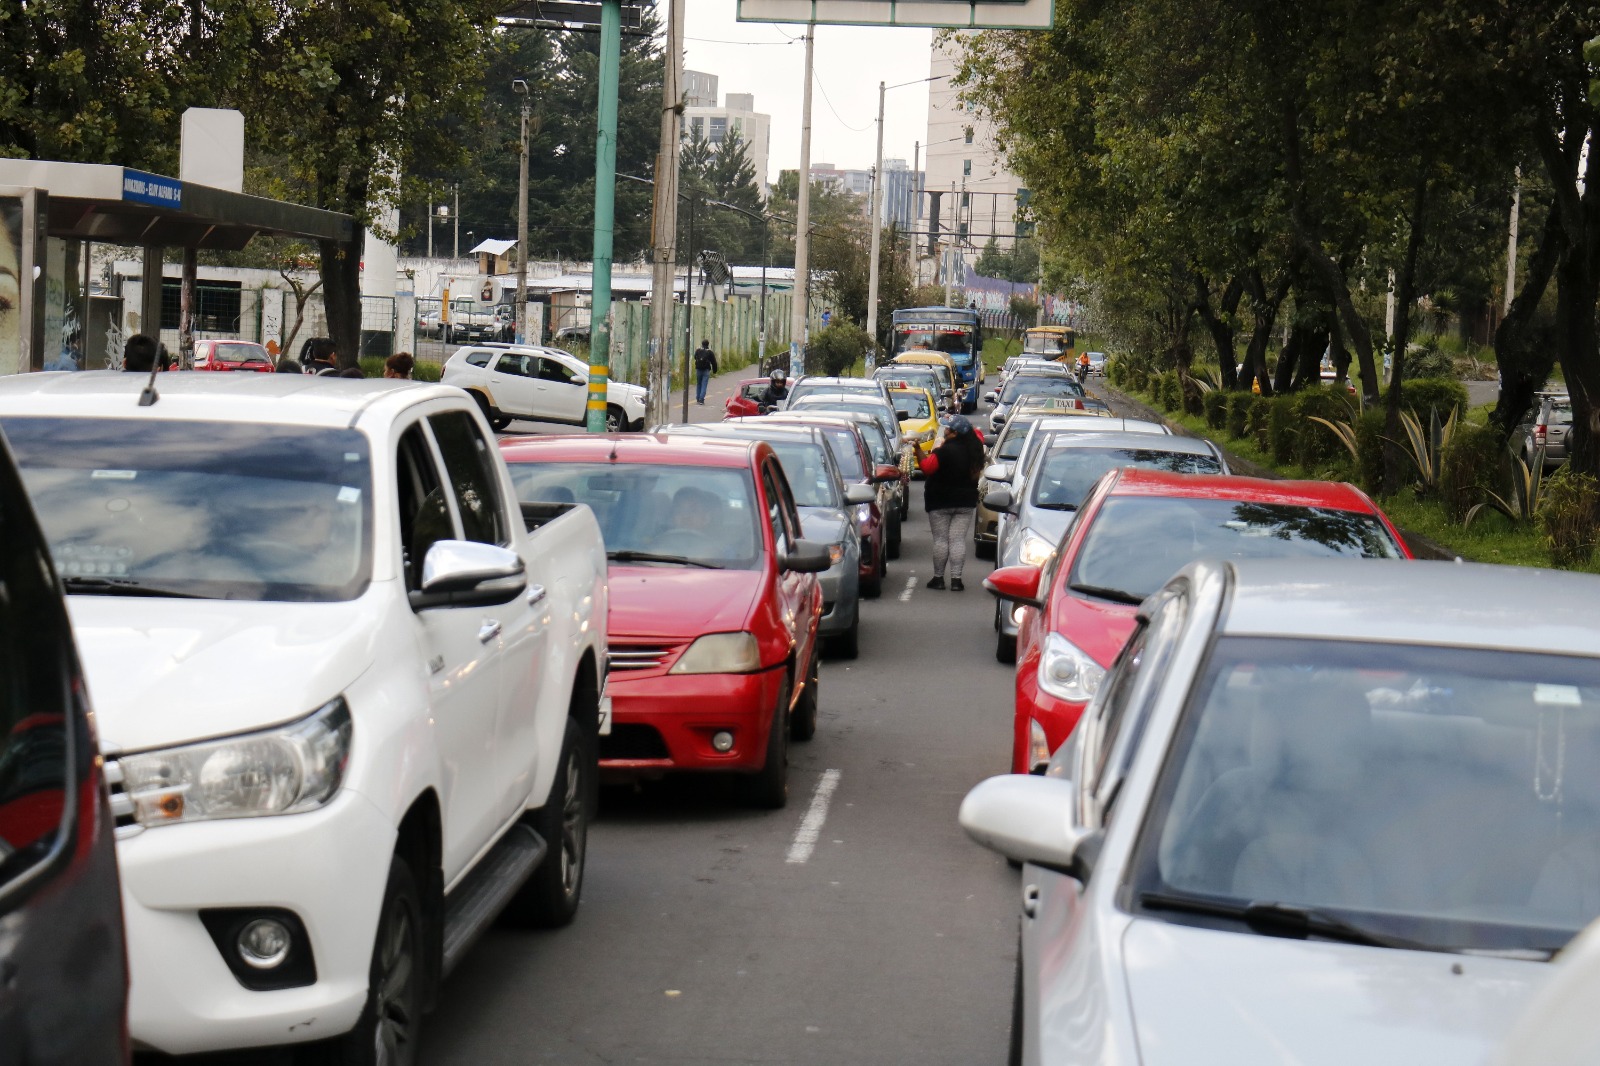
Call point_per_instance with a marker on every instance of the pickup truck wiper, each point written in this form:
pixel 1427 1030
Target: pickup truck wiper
pixel 122 586
pixel 1114 595
pixel 1280 919
pixel 653 557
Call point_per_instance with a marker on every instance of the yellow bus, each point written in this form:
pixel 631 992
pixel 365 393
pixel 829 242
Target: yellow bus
pixel 1050 342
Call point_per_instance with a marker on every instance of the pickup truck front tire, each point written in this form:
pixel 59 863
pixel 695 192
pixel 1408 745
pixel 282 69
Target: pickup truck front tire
pixel 390 1027
pixel 550 897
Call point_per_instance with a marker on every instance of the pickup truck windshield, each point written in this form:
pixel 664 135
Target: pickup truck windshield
pixel 700 515
pixel 215 510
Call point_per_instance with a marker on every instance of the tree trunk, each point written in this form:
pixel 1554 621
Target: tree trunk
pixel 1525 363
pixel 1264 307
pixel 341 296
pixel 1219 323
pixel 1394 460
pixel 1577 290
pixel 1288 356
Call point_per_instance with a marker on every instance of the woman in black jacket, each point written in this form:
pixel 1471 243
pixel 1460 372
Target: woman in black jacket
pixel 951 494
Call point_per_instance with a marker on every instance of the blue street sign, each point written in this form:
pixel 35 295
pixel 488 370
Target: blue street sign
pixel 141 188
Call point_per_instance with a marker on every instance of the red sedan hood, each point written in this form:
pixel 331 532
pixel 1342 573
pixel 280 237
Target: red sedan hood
pixel 681 601
pixel 1098 627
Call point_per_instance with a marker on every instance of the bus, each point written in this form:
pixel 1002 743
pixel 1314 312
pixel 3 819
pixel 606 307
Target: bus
pixel 955 331
pixel 1050 342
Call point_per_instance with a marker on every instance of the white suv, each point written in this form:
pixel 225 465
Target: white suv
pixel 538 385
pixel 349 704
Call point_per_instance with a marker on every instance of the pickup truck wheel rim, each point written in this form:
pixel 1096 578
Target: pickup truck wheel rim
pixel 393 1009
pixel 572 826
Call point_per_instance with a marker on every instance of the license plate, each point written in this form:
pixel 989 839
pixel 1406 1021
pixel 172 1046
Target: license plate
pixel 605 716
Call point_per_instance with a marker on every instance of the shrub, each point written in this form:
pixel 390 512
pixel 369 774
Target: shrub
pixel 1116 372
pixel 1238 412
pixel 1468 469
pixel 1138 377
pixel 372 367
pixel 1428 362
pixel 1567 516
pixel 1427 394
pixel 1284 425
pixel 1258 414
pixel 1369 449
pixel 1171 391
pixel 1215 406
pixel 1317 446
pixel 836 348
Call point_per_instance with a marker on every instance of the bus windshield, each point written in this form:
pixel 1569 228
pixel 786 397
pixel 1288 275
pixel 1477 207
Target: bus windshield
pixel 1048 343
pixel 951 340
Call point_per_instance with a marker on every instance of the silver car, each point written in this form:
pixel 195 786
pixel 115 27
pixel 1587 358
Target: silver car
pixel 812 384
pixel 1066 469
pixel 1547 428
pixel 1319 812
pixel 1053 380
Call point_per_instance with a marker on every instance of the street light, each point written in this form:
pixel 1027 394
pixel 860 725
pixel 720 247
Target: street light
pixel 520 87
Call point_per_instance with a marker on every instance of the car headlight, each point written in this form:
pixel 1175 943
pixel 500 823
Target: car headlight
pixel 835 554
pixel 863 513
pixel 720 653
pixel 294 768
pixel 1067 673
pixel 1036 551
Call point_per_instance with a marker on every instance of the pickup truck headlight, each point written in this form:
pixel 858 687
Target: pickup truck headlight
pixel 294 768
pixel 1066 672
pixel 1036 551
pixel 720 653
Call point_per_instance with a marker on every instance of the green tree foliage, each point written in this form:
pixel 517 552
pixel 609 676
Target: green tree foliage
pixel 724 173
pixel 1018 263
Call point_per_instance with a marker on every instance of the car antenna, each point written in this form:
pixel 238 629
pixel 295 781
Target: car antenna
pixel 613 456
pixel 149 396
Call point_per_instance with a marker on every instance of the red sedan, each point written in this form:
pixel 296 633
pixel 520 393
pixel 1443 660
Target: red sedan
pixel 232 355
pixel 1134 531
pixel 714 599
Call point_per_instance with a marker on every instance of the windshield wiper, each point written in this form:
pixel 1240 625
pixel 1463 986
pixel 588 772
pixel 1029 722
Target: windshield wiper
pixel 1114 595
pixel 122 586
pixel 1057 506
pixel 653 557
pixel 1280 919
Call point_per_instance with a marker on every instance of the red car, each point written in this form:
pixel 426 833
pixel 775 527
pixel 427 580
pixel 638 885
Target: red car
pixel 1135 530
pixel 714 599
pixel 747 401
pixel 232 355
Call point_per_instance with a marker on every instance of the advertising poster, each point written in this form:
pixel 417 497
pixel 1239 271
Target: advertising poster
pixel 21 231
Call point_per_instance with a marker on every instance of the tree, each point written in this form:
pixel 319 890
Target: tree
pixel 1018 263
pixel 723 173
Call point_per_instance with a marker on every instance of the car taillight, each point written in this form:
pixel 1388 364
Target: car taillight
pixel 1539 434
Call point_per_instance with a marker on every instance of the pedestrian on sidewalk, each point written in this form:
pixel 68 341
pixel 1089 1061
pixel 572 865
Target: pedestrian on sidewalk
pixel 705 364
pixel 951 495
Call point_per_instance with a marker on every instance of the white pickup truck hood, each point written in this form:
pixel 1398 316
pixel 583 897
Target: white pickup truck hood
pixel 168 671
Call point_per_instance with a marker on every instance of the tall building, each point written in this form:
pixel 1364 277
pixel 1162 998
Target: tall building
pixel 968 185
pixel 899 194
pixel 855 182
pixel 703 118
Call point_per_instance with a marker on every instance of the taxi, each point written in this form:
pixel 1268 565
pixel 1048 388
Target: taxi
pixel 929 357
pixel 918 413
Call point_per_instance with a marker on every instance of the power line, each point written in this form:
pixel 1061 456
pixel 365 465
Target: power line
pixel 842 122
pixel 771 44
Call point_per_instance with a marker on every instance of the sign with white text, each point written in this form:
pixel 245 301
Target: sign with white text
pixel 951 14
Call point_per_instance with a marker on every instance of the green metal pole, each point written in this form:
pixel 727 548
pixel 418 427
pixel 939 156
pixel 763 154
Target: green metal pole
pixel 605 186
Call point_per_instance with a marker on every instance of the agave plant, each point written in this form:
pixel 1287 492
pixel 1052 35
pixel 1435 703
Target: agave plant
pixel 1425 446
pixel 1345 431
pixel 1527 491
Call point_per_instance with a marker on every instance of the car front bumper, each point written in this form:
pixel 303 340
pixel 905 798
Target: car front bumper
pixel 684 711
pixel 1055 717
pixel 329 867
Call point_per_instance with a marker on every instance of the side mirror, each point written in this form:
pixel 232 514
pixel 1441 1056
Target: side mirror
pixel 859 493
pixel 991 398
pixel 998 500
pixel 807 557
pixel 579 379
pixel 1019 583
pixel 886 472
pixel 997 472
pixel 464 573
pixel 1029 819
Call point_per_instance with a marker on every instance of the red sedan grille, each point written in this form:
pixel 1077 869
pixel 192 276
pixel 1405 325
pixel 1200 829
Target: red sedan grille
pixel 625 657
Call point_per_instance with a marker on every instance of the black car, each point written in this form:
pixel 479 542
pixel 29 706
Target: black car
pixel 63 967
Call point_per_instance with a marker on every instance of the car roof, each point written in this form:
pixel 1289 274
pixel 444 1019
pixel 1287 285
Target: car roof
pixel 680 449
pixel 796 431
pixel 1132 439
pixel 1088 421
pixel 1045 368
pixel 289 399
pixel 842 383
pixel 1335 495
pixel 816 398
pixel 1415 602
pixel 821 419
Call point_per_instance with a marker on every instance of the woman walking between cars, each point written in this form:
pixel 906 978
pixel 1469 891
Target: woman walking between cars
pixel 951 494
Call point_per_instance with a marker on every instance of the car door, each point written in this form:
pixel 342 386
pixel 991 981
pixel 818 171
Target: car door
pixel 564 400
pixel 516 391
pixel 796 592
pixel 461 650
pixel 488 515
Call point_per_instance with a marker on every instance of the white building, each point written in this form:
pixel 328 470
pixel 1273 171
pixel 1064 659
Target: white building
pixel 702 117
pixel 970 189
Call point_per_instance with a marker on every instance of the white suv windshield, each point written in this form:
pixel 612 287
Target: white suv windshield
pixel 216 510
pixel 1444 796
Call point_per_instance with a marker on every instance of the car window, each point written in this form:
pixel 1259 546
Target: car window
pixel 1065 475
pixel 1039 385
pixel 911 405
pixel 776 507
pixel 35 707
pixel 805 465
pixel 516 365
pixel 479 358
pixel 424 515
pixel 469 466
pixel 555 370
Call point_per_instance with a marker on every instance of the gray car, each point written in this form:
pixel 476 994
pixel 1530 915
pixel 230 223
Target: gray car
pixel 1317 813
pixel 816 384
pixel 1548 427
pixel 825 504
pixel 1063 473
pixel 1032 381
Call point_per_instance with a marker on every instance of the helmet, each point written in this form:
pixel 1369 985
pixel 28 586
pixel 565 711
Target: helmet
pixel 778 376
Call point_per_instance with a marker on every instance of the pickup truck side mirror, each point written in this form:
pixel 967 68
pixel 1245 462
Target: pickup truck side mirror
pixel 465 573
pixel 807 557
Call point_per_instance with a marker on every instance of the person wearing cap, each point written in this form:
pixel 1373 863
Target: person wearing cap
pixel 951 494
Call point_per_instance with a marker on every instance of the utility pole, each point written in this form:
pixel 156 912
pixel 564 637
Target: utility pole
pixel 877 224
pixel 916 214
pixel 802 236
pixel 430 227
pixel 520 87
pixel 605 197
pixel 456 214
pixel 1511 243
pixel 665 215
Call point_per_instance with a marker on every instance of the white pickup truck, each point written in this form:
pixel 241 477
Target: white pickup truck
pixel 348 702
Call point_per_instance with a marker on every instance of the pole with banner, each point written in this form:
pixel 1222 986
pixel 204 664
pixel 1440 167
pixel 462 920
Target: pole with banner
pixel 802 237
pixel 877 224
pixel 605 185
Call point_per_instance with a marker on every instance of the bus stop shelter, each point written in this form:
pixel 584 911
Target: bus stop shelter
pixel 52 212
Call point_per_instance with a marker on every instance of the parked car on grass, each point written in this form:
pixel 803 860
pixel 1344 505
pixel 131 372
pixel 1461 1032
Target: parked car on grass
pixel 1318 813
pixel 715 604
pixel 538 385
pixel 1136 529
pixel 348 704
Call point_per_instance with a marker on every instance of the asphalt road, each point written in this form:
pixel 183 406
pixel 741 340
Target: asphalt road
pixel 708 934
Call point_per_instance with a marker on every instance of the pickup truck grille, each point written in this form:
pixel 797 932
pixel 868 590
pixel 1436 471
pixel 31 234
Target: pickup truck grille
pixel 624 657
pixel 121 804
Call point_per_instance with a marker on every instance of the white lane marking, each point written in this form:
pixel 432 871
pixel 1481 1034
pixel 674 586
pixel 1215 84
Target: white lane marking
pixel 911 586
pixel 805 838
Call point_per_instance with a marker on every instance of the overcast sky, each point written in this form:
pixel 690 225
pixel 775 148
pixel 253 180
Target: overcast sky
pixel 768 60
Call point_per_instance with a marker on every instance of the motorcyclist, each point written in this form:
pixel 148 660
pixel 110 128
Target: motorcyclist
pixel 777 391
pixel 1083 366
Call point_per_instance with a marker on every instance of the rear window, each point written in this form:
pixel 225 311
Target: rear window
pixel 806 467
pixel 479 358
pixel 911 405
pixel 1066 475
pixel 239 352
pixel 843 444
